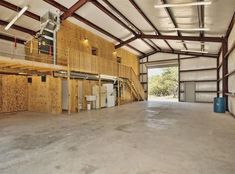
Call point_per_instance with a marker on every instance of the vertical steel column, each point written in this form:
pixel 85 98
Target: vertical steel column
pixel 225 69
pixel 147 83
pixel 218 76
pixel 179 77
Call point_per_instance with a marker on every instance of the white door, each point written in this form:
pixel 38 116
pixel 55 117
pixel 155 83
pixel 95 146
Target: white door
pixel 189 91
pixel 64 95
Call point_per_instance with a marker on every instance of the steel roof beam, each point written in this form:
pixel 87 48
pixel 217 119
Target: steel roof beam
pixel 186 38
pixel 128 21
pixel 173 20
pixel 62 8
pixel 12 39
pixel 73 9
pixel 19 28
pixel 147 19
pixel 179 52
pixel 111 15
pixel 230 27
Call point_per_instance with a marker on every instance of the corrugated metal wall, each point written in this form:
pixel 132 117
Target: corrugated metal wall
pixel 201 70
pixel 231 70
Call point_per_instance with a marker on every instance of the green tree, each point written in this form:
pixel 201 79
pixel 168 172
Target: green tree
pixel 164 84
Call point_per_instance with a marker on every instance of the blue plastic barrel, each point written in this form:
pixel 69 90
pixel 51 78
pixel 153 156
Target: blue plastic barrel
pixel 219 104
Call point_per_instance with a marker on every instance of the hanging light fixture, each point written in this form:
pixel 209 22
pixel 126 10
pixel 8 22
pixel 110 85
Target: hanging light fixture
pixel 195 51
pixel 21 12
pixel 183 4
pixel 189 29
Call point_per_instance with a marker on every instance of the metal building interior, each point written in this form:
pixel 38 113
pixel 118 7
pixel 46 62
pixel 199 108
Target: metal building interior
pixel 74 86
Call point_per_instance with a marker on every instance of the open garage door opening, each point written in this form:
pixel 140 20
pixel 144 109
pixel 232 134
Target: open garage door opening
pixel 163 84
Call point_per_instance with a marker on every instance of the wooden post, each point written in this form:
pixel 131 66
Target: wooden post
pixel 99 92
pixel 68 81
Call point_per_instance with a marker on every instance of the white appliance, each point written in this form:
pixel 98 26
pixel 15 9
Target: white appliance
pixel 95 91
pixel 110 98
pixel 90 99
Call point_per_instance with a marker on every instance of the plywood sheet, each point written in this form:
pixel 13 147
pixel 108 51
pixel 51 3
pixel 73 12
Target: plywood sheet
pixel 13 92
pixel 45 96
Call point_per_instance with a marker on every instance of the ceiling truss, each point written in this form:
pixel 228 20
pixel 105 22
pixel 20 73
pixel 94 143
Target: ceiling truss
pixel 134 30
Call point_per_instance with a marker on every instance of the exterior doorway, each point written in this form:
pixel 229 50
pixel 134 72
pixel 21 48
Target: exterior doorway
pixel 163 84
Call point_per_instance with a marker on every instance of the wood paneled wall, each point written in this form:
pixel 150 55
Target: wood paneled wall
pixel 78 39
pixel 45 96
pixel 129 59
pixel 13 93
pixel 74 37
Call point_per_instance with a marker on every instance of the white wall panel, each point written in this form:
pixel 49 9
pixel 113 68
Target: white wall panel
pixel 198 75
pixel 144 69
pixel 231 83
pixel 145 87
pixel 8 49
pixel 144 59
pixel 231 104
pixel 181 86
pixel 141 68
pixel 220 72
pixel 197 63
pixel 181 96
pixel 231 37
pixel 231 67
pixel 208 86
pixel 145 78
pixel 231 62
pixel 221 85
pixel 205 97
pixel 162 56
pixel 220 58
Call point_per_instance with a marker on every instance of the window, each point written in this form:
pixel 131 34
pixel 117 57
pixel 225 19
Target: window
pixel 29 80
pixel 94 51
pixel 43 78
pixel 119 59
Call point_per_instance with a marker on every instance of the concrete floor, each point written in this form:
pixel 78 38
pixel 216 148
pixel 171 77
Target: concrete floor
pixel 138 138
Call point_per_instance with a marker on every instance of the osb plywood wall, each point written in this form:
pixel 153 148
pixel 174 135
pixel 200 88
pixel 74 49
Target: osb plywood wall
pixel 13 93
pixel 77 42
pixel 129 59
pixel 76 38
pixel 45 96
pixel 16 94
pixel 80 43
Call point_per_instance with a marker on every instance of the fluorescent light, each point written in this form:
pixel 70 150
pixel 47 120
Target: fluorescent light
pixel 189 29
pixel 16 17
pixel 192 42
pixel 183 4
pixel 194 51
